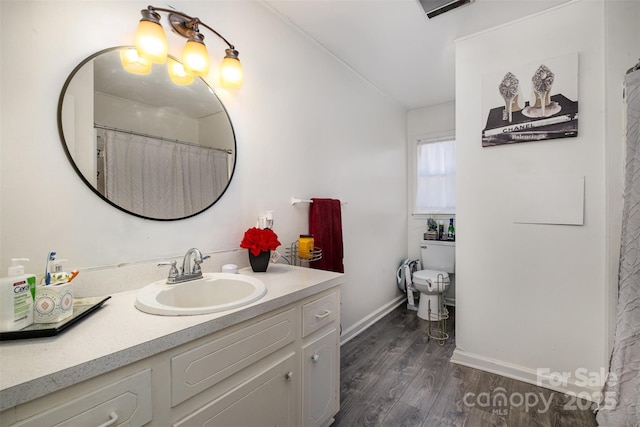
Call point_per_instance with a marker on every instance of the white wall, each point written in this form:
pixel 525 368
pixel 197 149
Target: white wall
pixel 535 296
pixel 306 126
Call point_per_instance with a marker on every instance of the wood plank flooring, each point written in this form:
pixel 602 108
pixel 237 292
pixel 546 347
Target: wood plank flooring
pixel 391 375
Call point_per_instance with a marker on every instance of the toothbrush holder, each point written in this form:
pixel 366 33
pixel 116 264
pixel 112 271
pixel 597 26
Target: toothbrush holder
pixel 53 303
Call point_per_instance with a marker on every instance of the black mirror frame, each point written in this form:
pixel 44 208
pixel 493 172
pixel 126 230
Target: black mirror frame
pixel 95 190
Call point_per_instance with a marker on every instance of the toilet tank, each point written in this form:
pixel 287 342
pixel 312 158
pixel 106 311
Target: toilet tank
pixel 438 255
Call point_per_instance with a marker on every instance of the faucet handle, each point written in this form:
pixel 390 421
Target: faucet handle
pixel 197 262
pixel 173 271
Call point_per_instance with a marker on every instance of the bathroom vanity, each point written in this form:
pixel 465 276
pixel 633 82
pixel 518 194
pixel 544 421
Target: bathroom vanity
pixel 274 362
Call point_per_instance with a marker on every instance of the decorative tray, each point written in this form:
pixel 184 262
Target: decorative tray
pixel 82 307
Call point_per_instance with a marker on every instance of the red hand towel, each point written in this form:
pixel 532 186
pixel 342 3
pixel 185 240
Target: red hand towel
pixel 325 223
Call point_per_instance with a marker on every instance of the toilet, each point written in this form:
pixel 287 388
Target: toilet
pixel 438 261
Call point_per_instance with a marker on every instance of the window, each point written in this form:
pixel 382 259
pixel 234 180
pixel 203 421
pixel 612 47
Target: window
pixel 435 189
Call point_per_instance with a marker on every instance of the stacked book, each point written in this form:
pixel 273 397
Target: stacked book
pixel 563 124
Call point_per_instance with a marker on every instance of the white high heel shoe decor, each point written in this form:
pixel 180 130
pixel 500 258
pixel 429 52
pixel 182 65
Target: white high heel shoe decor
pixel 540 104
pixel 509 88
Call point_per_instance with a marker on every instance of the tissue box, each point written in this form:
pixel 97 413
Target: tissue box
pixel 53 303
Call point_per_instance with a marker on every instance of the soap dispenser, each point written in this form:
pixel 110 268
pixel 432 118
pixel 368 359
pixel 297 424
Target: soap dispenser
pixel 17 292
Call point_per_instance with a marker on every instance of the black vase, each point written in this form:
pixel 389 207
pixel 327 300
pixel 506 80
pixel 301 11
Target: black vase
pixel 260 262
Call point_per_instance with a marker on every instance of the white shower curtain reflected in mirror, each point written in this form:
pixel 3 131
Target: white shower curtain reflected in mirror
pixel 621 398
pixel 160 179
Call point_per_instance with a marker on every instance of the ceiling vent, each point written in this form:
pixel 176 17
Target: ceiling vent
pixel 434 8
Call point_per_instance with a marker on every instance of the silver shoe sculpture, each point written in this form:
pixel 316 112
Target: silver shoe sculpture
pixel 509 88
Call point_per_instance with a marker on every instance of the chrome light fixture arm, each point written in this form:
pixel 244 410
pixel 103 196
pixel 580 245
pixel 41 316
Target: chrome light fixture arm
pixel 183 24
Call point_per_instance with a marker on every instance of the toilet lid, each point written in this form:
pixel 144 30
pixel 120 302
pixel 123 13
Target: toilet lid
pixel 422 276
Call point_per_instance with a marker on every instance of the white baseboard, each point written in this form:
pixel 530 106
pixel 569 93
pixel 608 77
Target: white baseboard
pixel 572 386
pixel 362 325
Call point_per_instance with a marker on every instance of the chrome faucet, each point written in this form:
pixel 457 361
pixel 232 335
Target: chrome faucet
pixel 189 271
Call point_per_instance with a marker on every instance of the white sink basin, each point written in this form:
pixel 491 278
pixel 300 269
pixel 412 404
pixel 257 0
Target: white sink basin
pixel 214 292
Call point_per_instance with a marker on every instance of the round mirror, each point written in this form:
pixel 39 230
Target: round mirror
pixel 146 145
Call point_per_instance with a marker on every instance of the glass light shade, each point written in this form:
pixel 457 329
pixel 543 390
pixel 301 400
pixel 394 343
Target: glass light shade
pixel 151 42
pixel 195 58
pixel 177 74
pixel 231 73
pixel 132 62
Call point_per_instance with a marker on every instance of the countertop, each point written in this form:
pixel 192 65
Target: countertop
pixel 118 334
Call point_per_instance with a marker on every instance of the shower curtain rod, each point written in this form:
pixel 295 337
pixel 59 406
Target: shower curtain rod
pixel 161 138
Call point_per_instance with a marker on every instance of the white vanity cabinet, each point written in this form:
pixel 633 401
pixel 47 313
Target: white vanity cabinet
pixel 321 360
pixel 280 368
pixel 283 370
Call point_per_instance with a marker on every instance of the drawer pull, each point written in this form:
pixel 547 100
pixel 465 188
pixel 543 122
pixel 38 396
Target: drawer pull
pixel 315 358
pixel 113 418
pixel 289 376
pixel 323 315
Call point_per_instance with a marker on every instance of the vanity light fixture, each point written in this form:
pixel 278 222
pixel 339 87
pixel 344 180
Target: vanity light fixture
pixel 151 44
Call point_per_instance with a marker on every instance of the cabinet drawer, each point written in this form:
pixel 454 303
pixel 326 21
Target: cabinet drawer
pixel 267 399
pixel 319 313
pixel 202 367
pixel 128 401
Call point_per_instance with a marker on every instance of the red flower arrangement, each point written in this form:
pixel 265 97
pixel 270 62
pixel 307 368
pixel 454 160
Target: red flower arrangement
pixel 258 240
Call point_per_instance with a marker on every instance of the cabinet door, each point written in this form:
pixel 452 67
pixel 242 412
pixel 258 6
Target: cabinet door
pixel 321 379
pixel 268 399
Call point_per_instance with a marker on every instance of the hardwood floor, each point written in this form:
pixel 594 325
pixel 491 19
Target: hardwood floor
pixel 391 375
